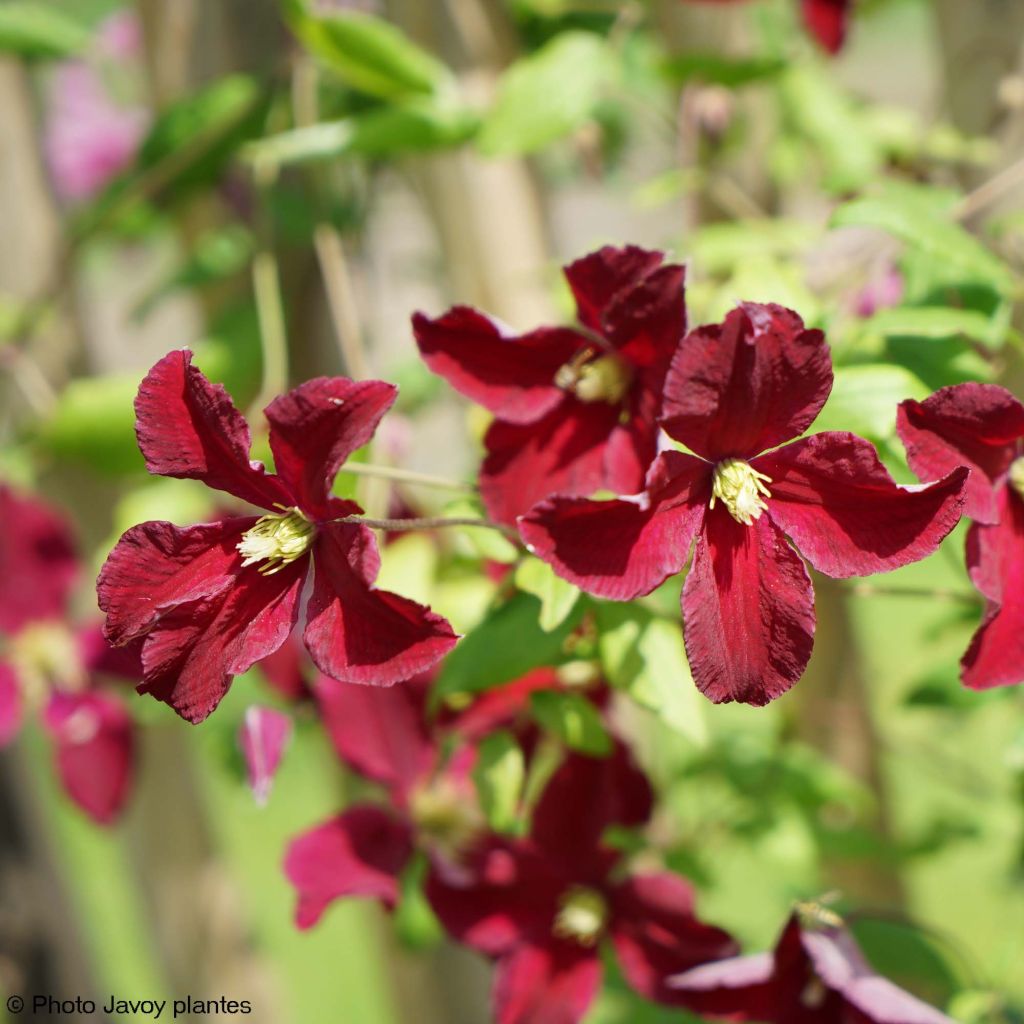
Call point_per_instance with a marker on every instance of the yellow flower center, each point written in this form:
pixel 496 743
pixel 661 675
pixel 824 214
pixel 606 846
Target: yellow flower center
pixel 582 915
pixel 277 540
pixel 45 656
pixel 443 815
pixel 741 489
pixel 605 379
pixel 1017 476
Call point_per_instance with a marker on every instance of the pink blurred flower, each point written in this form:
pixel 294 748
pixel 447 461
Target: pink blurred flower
pixel 119 37
pixel 89 138
pixel 263 736
pixel 882 290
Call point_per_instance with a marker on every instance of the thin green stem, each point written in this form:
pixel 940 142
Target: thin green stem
pixel 407 476
pixel 938 593
pixel 427 523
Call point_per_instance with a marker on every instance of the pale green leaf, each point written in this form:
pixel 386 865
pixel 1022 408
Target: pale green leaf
pixel 499 774
pixel 33 31
pixel 864 399
pixel 557 597
pixel 573 719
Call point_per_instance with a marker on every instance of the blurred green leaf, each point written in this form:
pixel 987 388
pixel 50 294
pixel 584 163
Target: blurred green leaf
pixel 557 597
pixel 35 32
pixel 483 541
pixel 937 322
pixel 507 644
pixel 499 774
pixel 718 69
pixel 864 399
pixel 415 922
pixel 547 95
pixel 921 217
pixel 720 248
pixel 367 52
pixel 573 719
pixel 410 128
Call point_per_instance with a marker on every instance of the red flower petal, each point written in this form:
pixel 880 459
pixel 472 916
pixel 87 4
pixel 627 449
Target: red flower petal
pixel 263 737
pixel 94 751
pixel 546 984
pixel 600 278
pixel 502 706
pixel 657 934
pixel 188 427
pixel 580 448
pixel 622 549
pixel 101 658
pixel 315 427
pixel 285 670
pixel 827 21
pixel 647 324
pixel 753 382
pixel 582 799
pixel 741 988
pixel 359 634
pixel 496 897
pixel 831 494
pixel 995 559
pixel 38 566
pixel 205 618
pixel 975 425
pixel 512 376
pixel 360 853
pixel 748 611
pixel 381 733
pixel 10 704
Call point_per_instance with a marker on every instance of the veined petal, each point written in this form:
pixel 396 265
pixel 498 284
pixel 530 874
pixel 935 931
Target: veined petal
pixel 190 428
pixel 315 427
pixel 621 549
pixel 748 611
pixel 657 934
pixel 550 983
pixel 10 704
pixel 751 383
pixel 579 448
pixel 600 278
pixel 995 559
pixel 94 750
pixel 512 376
pixel 360 853
pixel 38 566
pixel 359 634
pixel 848 517
pixel 827 21
pixel 380 732
pixel 979 426
pixel 156 566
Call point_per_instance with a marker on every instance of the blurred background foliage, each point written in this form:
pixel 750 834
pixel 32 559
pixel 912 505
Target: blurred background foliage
pixel 279 186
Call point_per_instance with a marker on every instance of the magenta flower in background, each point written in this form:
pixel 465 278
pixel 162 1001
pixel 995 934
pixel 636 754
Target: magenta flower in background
pixel 543 906
pixel 575 410
pixel 882 291
pixel 207 602
pixel 736 392
pixel 89 139
pixel 815 975
pixel 47 663
pixel 263 736
pixel 827 21
pixel 981 426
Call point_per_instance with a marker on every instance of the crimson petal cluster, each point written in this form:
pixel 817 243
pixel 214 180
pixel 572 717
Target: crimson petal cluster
pixel 981 426
pixel 735 393
pixel 575 409
pixel 203 607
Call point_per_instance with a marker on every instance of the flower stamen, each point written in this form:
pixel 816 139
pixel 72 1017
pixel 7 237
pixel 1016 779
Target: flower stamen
pixel 582 915
pixel 1016 476
pixel 276 539
pixel 741 489
pixel 604 379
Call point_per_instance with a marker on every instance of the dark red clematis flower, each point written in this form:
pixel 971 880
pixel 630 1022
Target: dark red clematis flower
pixel 981 426
pixel 574 409
pixel 211 600
pixel 46 662
pixel 736 392
pixel 826 20
pixel 542 906
pixel 815 975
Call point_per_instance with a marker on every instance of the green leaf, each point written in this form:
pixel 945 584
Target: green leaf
pixel 499 774
pixel 643 655
pixel 557 597
pixel 368 53
pixel 547 95
pixel 35 32
pixel 411 128
pixel 864 399
pixel 721 248
pixel 483 541
pixel 715 68
pixel 507 644
pixel 937 322
pixel 573 719
pixel 415 922
pixel 920 217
